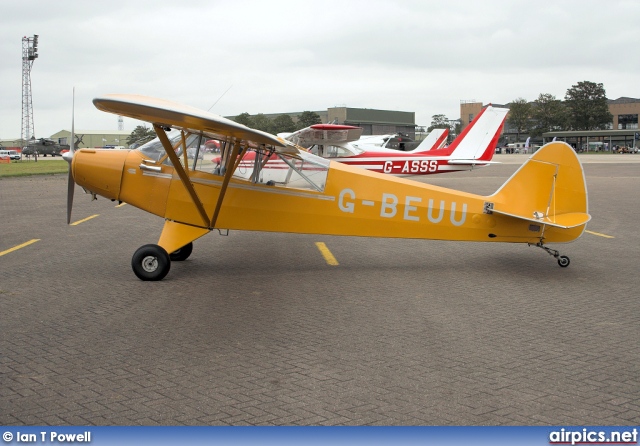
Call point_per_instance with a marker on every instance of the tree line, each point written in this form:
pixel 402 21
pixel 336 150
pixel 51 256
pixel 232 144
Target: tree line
pixel 279 124
pixel 585 107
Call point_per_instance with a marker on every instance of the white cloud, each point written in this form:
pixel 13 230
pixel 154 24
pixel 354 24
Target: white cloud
pixel 287 55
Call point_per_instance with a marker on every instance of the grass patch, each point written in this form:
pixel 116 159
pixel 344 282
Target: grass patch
pixel 24 168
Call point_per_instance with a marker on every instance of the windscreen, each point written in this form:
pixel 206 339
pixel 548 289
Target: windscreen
pixel 258 165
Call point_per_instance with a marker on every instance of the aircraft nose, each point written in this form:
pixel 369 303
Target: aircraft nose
pixel 100 171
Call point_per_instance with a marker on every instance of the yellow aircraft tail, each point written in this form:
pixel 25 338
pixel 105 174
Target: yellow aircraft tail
pixel 548 190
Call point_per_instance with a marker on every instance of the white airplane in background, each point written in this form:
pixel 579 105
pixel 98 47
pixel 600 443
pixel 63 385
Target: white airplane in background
pixel 475 146
pixel 436 139
pixel 320 134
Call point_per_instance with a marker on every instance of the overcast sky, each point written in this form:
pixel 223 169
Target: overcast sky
pixel 286 56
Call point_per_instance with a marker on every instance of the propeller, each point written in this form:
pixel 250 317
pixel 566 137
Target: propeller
pixel 68 157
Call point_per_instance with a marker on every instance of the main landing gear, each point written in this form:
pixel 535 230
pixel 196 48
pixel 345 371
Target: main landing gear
pixel 563 261
pixel 152 262
pixel 182 254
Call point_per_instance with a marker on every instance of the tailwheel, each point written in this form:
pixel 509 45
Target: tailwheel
pixel 182 254
pixel 563 261
pixel 150 262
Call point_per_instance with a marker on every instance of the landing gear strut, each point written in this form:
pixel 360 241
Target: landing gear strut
pixel 182 253
pixel 563 261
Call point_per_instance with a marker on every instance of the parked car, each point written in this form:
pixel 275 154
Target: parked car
pixel 12 154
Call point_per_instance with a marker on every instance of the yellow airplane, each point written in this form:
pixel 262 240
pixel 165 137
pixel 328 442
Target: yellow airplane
pixel 545 201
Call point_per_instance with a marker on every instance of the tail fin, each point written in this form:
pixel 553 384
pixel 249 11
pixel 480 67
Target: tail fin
pixel 477 143
pixel 549 190
pixel 479 139
pixel 434 141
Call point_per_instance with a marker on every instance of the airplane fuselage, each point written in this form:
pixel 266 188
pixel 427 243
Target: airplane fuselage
pixel 352 202
pixel 405 165
pixel 261 182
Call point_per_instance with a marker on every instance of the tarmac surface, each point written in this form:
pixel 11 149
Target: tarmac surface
pixel 257 328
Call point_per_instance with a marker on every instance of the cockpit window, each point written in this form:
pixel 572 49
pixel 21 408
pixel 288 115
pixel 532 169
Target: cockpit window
pixel 193 140
pixel 154 149
pixel 328 151
pixel 259 164
pixel 302 171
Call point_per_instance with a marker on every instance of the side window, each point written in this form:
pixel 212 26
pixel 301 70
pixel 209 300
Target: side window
pixel 209 156
pixel 335 152
pixel 194 141
pixel 302 171
pixel 330 151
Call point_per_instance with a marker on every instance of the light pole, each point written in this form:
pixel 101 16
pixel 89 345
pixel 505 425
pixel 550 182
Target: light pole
pixel 29 54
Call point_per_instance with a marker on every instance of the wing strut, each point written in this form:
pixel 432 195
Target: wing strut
pixel 184 177
pixel 236 148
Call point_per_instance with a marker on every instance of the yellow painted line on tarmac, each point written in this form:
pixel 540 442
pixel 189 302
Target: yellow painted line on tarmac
pixel 15 248
pixel 83 220
pixel 328 257
pixel 599 234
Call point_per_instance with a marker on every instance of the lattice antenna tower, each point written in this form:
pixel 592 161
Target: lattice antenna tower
pixel 29 54
pixel 120 124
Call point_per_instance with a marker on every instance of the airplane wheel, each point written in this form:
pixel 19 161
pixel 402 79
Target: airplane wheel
pixel 150 262
pixel 563 261
pixel 182 254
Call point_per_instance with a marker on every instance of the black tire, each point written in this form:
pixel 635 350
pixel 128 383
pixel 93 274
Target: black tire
pixel 563 261
pixel 182 254
pixel 150 262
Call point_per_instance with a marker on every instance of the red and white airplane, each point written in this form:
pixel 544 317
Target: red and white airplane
pixel 475 146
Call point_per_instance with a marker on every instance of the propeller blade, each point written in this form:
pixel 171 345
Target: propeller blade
pixel 71 186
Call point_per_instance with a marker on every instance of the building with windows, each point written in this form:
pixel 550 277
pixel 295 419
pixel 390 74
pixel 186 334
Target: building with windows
pixel 372 121
pixel 596 140
pixel 625 113
pixel 623 130
pixel 375 122
pixel 93 138
pixel 469 109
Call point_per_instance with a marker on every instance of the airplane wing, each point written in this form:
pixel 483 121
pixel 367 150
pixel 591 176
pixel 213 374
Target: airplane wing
pixel 171 114
pixel 324 134
pixel 165 114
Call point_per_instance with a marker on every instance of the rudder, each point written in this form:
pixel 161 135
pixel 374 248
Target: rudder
pixel 548 189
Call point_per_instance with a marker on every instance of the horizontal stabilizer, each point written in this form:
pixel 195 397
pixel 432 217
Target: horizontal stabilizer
pixel 564 221
pixel 472 162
